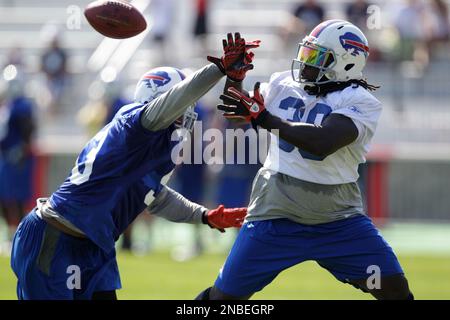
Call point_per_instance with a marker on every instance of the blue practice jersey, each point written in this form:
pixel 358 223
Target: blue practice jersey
pixel 115 106
pixel 16 160
pixel 134 200
pixel 14 117
pixel 116 169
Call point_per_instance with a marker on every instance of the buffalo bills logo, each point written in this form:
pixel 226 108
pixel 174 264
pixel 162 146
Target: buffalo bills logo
pixel 156 79
pixel 354 44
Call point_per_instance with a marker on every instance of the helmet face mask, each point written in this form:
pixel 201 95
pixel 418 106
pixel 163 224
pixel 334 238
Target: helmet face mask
pixel 336 49
pixel 310 58
pixel 188 119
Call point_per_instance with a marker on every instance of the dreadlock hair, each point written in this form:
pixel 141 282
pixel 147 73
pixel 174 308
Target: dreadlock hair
pixel 321 90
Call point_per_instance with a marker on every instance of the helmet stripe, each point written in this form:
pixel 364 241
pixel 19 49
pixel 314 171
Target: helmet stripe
pixel 357 44
pixel 319 29
pixel 153 76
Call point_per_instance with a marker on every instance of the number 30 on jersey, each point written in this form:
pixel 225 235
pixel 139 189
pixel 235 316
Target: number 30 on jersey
pixel 317 114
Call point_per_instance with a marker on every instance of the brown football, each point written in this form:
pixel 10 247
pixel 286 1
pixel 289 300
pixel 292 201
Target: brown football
pixel 115 19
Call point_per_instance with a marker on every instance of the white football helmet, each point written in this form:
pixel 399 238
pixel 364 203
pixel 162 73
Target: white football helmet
pixel 158 81
pixel 337 48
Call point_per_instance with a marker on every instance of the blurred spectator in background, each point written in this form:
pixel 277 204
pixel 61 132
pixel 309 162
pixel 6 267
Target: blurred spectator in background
pixel 303 18
pixel 309 14
pixel 201 24
pixel 438 21
pixel 410 25
pixel 411 54
pixel 114 100
pixel 189 180
pixel 54 66
pixel 189 176
pixel 17 125
pixel 356 13
pixel 102 108
pixel 15 57
pixel 162 21
pixel 235 180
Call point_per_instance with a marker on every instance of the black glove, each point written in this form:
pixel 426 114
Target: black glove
pixel 238 106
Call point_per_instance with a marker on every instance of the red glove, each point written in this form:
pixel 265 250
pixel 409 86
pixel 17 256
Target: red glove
pixel 221 218
pixel 236 59
pixel 238 106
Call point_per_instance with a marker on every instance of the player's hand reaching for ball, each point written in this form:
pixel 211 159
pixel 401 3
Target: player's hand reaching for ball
pixel 237 105
pixel 221 217
pixel 236 59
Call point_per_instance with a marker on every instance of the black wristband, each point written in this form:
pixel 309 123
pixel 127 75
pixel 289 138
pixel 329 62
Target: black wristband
pixel 205 217
pixel 221 68
pixel 218 63
pixel 233 80
pixel 260 119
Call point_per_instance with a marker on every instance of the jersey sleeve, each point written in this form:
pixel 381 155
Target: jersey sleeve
pixel 128 126
pixel 172 206
pixel 164 110
pixel 363 108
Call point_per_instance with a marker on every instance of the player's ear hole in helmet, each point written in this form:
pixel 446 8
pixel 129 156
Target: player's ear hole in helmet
pixel 158 81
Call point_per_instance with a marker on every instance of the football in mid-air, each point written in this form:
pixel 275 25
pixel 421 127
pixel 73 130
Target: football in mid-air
pixel 115 18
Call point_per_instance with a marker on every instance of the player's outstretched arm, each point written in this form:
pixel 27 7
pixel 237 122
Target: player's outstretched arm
pixel 335 132
pixel 172 206
pixel 235 62
pixel 164 110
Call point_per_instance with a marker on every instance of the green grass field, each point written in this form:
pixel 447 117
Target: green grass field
pixel 157 276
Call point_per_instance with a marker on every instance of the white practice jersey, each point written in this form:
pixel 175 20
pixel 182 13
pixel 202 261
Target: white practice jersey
pixel 286 99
